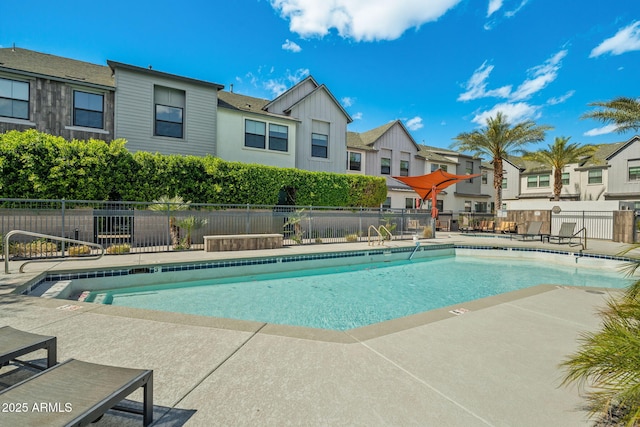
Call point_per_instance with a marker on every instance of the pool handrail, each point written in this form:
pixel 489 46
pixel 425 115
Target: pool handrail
pixel 47 236
pixel 381 237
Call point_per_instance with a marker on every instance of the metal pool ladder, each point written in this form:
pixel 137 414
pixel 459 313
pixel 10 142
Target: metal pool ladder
pixel 47 236
pixel 378 231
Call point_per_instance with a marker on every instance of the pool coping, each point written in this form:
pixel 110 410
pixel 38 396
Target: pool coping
pixel 347 336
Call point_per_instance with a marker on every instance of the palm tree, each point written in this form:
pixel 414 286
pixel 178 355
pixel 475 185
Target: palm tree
pixel 608 361
pixel 559 155
pixel 497 141
pixel 623 112
pixel 171 204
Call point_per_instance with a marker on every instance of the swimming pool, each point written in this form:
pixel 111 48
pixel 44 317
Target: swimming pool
pixel 351 296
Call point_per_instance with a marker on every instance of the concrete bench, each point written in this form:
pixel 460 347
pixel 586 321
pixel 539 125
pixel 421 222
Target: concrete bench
pixel 242 242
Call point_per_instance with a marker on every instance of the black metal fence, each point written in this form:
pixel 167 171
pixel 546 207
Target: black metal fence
pixel 123 227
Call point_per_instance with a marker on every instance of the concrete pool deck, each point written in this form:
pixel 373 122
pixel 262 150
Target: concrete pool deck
pixel 496 365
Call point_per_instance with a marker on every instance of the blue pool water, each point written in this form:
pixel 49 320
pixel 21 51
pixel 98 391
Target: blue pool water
pixel 348 297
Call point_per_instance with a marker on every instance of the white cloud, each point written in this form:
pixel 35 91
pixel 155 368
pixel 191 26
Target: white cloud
pixel 276 87
pixel 560 99
pixel 494 6
pixel 626 39
pixel 477 85
pixel 357 116
pixel 291 46
pixel 601 131
pixel 513 12
pixel 347 101
pixel 361 20
pixel 542 75
pixel 415 123
pixel 514 113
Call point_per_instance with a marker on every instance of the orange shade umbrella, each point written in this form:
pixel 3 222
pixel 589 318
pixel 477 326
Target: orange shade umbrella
pixel 431 184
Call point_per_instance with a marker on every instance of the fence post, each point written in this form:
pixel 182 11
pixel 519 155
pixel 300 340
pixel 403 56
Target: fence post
pixel 168 226
pixel 62 228
pixel 247 229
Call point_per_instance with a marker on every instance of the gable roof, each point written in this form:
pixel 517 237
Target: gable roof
pixel 366 140
pixel 317 89
pixel 247 104
pixel 149 71
pixel 37 64
pixel 621 146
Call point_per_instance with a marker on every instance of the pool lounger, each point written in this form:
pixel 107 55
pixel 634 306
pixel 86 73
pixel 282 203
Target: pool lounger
pixel 15 343
pixel 75 393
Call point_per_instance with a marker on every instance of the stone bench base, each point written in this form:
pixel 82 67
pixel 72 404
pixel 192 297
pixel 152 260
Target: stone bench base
pixel 242 242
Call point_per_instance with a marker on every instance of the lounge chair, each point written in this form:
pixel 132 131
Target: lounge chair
pixel 76 393
pixel 532 231
pixel 15 343
pixel 566 232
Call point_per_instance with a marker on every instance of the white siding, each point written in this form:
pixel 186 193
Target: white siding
pixel 231 140
pixel 134 115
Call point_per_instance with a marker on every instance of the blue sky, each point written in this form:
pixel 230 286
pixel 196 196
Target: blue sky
pixel 440 66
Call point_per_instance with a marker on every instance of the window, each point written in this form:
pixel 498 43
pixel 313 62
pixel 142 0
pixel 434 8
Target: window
pixel 404 167
pixel 595 176
pixel 410 203
pixel 254 134
pixel 169 112
pixel 537 181
pixel 504 183
pixel 319 145
pixel 385 166
pixel 543 180
pixel 435 167
pixel 355 161
pixel 565 178
pixel 278 137
pixel 469 169
pixel 634 170
pixel 467 206
pixel 88 109
pixel 485 177
pixel 14 99
pixel 387 203
pixel 481 207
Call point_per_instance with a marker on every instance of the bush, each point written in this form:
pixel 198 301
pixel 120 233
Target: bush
pixel 120 249
pixel 351 237
pixel 79 250
pixel 36 247
pixel 41 166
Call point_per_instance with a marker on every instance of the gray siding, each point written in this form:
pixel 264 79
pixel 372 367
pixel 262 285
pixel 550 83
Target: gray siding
pixel 320 107
pixel 466 187
pixel 51 110
pixel 512 174
pixel 618 172
pixel 135 115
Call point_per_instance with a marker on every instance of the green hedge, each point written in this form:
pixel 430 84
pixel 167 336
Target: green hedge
pixel 40 166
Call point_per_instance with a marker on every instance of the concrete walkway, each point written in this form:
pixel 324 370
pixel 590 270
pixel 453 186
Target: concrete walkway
pixel 496 365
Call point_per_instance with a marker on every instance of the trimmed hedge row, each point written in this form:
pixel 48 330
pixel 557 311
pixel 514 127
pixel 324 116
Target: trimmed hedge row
pixel 36 165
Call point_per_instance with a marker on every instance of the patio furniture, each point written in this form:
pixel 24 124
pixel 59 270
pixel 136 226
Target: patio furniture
pixel 565 233
pixel 76 393
pixel 15 343
pixel 532 231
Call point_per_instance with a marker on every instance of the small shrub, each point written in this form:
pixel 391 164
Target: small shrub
pixel 427 232
pixel 119 249
pixel 37 247
pixel 318 240
pixel 79 250
pixel 351 237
